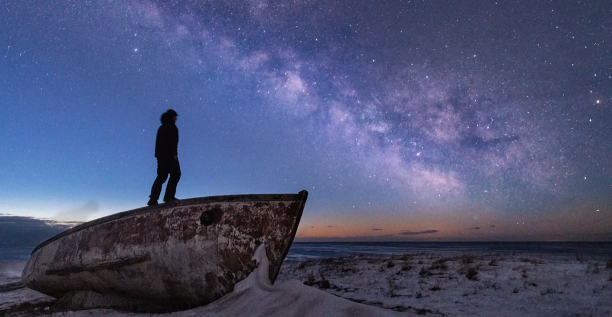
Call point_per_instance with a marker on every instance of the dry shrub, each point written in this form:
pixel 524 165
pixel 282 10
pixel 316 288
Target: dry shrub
pixel 524 274
pixel 467 258
pixel 593 268
pixel 406 257
pixel 310 279
pixel 532 261
pixel 550 291
pixel 472 274
pixel 323 283
pixel 392 287
pixel 439 264
pixel 327 261
pixel 424 272
pixel 305 264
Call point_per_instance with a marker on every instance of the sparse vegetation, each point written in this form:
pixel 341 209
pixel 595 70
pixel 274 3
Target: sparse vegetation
pixel 424 272
pixel 310 279
pixel 593 268
pixel 392 287
pixel 550 291
pixel 472 274
pixel 305 264
pixel 327 261
pixel 532 261
pixel 406 257
pixel 348 267
pixel 406 267
pixel 467 258
pixel 442 277
pixel 322 283
pixel 439 264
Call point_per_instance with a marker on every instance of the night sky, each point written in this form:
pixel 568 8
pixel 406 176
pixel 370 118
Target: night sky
pixel 405 120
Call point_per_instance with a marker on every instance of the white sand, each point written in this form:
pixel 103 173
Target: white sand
pixel 502 286
pixel 399 286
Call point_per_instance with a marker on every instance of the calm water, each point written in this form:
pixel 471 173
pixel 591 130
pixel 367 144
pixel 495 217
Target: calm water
pixel 301 251
pixel 15 254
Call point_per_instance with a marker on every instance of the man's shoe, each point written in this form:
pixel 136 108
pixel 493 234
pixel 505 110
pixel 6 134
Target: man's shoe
pixel 169 200
pixel 152 202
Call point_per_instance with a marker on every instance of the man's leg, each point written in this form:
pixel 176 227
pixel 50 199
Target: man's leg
pixel 175 175
pixel 162 175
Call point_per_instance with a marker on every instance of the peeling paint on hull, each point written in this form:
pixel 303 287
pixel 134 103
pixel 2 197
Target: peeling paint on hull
pixel 183 254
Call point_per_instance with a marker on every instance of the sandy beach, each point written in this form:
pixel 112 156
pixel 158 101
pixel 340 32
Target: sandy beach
pixel 408 285
pixel 465 285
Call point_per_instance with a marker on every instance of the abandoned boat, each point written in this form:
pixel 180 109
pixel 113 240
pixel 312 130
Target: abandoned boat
pixel 171 256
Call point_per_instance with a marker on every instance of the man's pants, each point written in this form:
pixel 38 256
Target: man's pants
pixel 164 167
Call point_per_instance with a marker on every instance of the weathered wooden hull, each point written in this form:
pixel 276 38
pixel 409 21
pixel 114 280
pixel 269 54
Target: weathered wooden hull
pixel 183 254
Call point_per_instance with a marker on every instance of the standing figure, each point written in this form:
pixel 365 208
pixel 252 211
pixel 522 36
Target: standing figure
pixel 167 158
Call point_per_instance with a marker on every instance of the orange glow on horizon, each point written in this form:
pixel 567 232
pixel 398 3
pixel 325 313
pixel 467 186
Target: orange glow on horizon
pixel 461 225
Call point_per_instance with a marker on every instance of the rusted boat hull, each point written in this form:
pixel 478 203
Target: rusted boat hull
pixel 178 255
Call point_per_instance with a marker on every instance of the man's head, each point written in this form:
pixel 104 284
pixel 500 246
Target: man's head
pixel 169 116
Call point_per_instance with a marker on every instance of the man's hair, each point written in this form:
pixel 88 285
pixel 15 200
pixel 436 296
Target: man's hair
pixel 168 116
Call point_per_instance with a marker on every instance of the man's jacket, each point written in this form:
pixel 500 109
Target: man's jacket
pixel 166 142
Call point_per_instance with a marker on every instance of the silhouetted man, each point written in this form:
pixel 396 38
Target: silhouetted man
pixel 167 158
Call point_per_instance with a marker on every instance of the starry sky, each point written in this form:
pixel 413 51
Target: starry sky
pixel 405 120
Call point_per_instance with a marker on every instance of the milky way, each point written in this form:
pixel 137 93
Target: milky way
pixel 447 100
pixel 471 104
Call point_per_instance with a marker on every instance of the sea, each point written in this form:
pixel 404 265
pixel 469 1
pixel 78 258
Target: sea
pixel 15 253
pixel 303 251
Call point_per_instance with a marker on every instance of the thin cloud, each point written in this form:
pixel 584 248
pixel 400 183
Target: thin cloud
pixel 376 229
pixel 27 231
pixel 475 228
pixel 410 233
pixel 80 213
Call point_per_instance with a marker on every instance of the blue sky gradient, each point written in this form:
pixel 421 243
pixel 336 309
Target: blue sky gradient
pixel 403 119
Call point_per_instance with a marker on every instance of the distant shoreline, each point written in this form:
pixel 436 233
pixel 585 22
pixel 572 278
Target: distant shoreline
pixel 595 249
